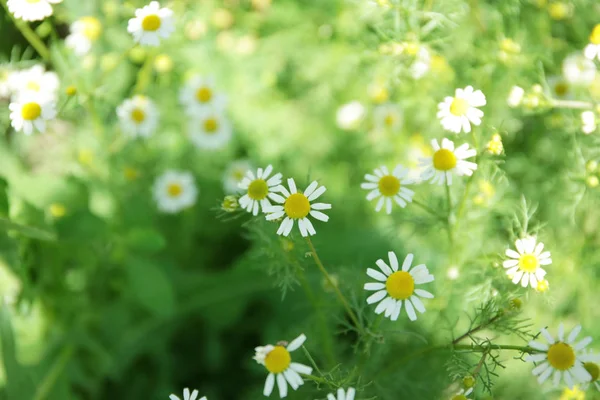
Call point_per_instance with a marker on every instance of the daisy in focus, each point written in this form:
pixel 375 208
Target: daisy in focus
pixel 151 24
pixel 209 130
pixel 36 81
pixel 561 358
pixel 175 191
pixel 342 394
pixel 397 287
pixel 31 10
pixel 525 264
pixel 458 113
pixel 462 394
pixel 278 361
pixel 592 50
pixel 447 160
pixel 259 189
pixel 233 176
pixel 387 187
pixel 387 117
pixel 187 395
pixel 29 113
pixel 84 32
pixel 199 94
pixel 297 206
pixel 138 116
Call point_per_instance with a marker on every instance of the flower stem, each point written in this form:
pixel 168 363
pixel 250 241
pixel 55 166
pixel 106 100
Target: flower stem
pixel 477 328
pixel 338 293
pixel 144 74
pixel 52 376
pixel 428 209
pixel 29 34
pixel 449 217
pixel 463 200
pixel 572 104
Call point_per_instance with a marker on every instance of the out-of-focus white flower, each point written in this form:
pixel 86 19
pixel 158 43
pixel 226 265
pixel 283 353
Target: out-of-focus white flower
pixel 31 10
pixel 422 63
pixel 588 122
pixel 138 116
pixel 350 115
pixel 35 81
pixel 84 32
pixel 560 88
pixel 175 191
pixel 29 113
pixel 236 171
pixel 199 94
pixel 457 113
pixel 210 129
pixel 578 70
pixel 592 50
pixel 387 117
pixel 151 24
pixel 515 96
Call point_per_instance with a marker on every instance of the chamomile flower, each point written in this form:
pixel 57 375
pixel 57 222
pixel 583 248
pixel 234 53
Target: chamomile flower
pixel 278 361
pixel 234 175
pixel 560 88
pixel 151 24
pixel 175 191
pixel 259 188
pixel 578 70
pixel 35 80
pixel 387 117
pixel 31 10
pixel 187 395
pixel 387 187
pixel 588 122
pixel 29 113
pixel 447 160
pixel 5 73
pixel 343 394
pixel 592 50
pixel 138 116
pixel 350 115
pixel 84 32
pixel 591 365
pixel 210 129
pixel 458 113
pixel 199 94
pixel 561 357
pixel 398 287
pixel 297 206
pixel 525 264
pixel 462 394
pixel 515 97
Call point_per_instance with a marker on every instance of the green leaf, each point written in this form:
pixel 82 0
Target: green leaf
pixel 151 287
pixel 32 232
pixel 145 240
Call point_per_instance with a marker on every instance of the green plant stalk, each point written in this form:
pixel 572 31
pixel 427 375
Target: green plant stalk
pixel 312 360
pixel 449 217
pixel 338 293
pixel 31 37
pixel 144 74
pixel 463 200
pixel 52 376
pixel 572 104
pixel 429 209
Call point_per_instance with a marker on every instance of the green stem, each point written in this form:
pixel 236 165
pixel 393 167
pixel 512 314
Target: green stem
pixel 572 104
pixel 338 293
pixel 428 209
pixel 144 74
pixel 316 379
pixel 312 361
pixel 29 34
pixel 463 200
pixel 52 376
pixel 449 217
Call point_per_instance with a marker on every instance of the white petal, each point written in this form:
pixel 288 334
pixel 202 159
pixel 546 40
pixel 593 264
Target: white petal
pixel 384 267
pixel 583 343
pixel 538 345
pixel 410 311
pixel 296 343
pixel 393 260
pixel 418 304
pixel 301 368
pixel 269 383
pixel 377 296
pixel 540 368
pixel 374 286
pixel 376 275
pixel 407 262
pixel 423 293
pixel 282 385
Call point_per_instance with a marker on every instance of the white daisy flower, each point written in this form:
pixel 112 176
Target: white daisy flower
pixel 350 115
pixel 259 189
pixel 387 117
pixel 175 191
pixel 5 78
pixel 588 122
pixel 278 361
pixel 525 263
pixel 447 160
pixel 236 171
pixel 31 10
pixel 578 70
pixel 187 395
pixel 151 24
pixel 462 394
pixel 199 93
pixel 138 116
pixel 342 394
pixel 458 113
pixel 398 287
pixel 84 32
pixel 35 80
pixel 592 50
pixel 297 206
pixel 591 366
pixel 210 129
pixel 515 97
pixel 387 187
pixel 559 87
pixel 29 113
pixel 562 358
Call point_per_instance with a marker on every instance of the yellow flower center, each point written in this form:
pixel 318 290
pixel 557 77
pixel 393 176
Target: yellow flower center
pixel 561 356
pixel 33 1
pixel 297 206
pixel 278 360
pixel 174 189
pixel 444 160
pixel 593 369
pixel 33 85
pixel 389 185
pixel 400 285
pixel 211 125
pixel 238 174
pixel 138 115
pixel 31 111
pixel 595 36
pixel 151 23
pixel 459 397
pixel 258 189
pixel 203 95
pixel 528 263
pixel 92 28
pixel 389 120
pixel 542 286
pixel 561 88
pixel 459 107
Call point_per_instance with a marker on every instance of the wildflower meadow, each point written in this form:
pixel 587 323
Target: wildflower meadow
pixel 303 199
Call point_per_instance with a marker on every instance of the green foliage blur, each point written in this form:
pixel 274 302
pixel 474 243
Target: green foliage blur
pixel 107 298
